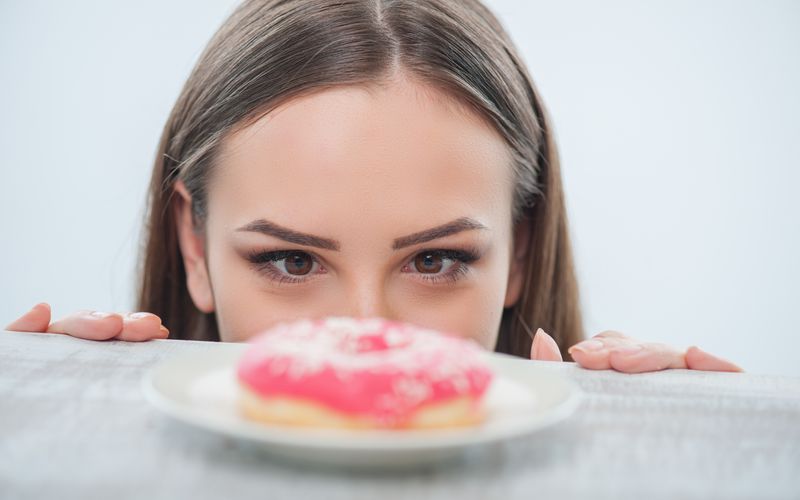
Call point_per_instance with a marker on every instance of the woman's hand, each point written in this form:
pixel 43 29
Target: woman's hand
pixel 614 350
pixel 93 325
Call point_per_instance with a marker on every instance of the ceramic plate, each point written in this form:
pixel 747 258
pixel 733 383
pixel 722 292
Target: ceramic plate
pixel 200 389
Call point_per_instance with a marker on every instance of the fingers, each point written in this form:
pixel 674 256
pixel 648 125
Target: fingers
pixel 594 353
pixel 591 354
pixel 93 325
pixel 544 348
pixel 141 326
pixel 697 359
pixel 612 350
pixel 90 325
pixel 35 320
pixel 645 357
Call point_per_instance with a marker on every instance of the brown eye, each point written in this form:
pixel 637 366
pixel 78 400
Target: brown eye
pixel 298 263
pixel 428 263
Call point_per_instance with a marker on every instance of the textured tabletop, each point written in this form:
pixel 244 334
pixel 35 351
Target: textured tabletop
pixel 74 424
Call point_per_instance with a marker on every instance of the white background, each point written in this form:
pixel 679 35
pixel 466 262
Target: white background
pixel 678 124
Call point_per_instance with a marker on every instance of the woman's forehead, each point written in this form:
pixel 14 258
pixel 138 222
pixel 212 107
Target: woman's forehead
pixel 345 151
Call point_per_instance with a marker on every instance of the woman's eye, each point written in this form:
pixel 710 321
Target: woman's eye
pixel 286 266
pixel 436 266
pixel 432 263
pixel 296 264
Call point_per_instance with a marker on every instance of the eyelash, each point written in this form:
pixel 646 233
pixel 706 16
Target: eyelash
pixel 263 262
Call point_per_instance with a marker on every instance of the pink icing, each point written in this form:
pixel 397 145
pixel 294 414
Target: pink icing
pixel 364 367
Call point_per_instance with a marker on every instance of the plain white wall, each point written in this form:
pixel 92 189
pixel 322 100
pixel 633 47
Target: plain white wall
pixel 678 125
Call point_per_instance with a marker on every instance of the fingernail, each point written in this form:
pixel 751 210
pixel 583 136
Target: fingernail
pixel 628 349
pixel 98 314
pixel 140 315
pixel 164 329
pixel 588 346
pixel 535 345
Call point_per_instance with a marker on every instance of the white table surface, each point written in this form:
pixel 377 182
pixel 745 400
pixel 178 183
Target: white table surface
pixel 74 424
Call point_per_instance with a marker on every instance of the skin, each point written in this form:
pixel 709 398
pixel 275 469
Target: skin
pixel 372 188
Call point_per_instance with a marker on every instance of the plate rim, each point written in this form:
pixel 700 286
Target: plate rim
pixel 330 440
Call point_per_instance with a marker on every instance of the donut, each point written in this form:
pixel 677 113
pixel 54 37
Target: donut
pixel 362 373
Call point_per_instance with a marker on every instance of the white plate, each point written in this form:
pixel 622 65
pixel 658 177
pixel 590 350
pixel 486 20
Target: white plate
pixel 200 389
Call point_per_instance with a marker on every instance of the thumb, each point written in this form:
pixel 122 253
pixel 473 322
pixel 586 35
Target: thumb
pixel 35 320
pixel 544 348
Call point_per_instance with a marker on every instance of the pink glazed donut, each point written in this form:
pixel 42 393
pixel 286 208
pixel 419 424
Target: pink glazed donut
pixel 362 373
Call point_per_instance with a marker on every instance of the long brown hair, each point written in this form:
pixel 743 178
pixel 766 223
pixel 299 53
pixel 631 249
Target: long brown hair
pixel 269 51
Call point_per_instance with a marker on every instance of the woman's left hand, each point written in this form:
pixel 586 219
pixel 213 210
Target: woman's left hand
pixel 613 350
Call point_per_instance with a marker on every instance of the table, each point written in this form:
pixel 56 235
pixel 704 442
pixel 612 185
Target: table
pixel 74 424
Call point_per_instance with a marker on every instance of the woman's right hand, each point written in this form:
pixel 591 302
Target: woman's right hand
pixel 93 325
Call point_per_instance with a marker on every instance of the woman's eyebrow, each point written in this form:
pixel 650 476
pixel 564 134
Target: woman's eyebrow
pixel 453 227
pixel 264 226
pixel 270 228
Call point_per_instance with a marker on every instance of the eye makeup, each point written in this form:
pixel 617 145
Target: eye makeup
pixel 278 265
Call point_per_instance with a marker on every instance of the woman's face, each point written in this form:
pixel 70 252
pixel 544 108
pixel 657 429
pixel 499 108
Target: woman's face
pixel 391 202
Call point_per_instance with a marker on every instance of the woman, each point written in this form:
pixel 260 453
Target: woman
pixel 364 158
